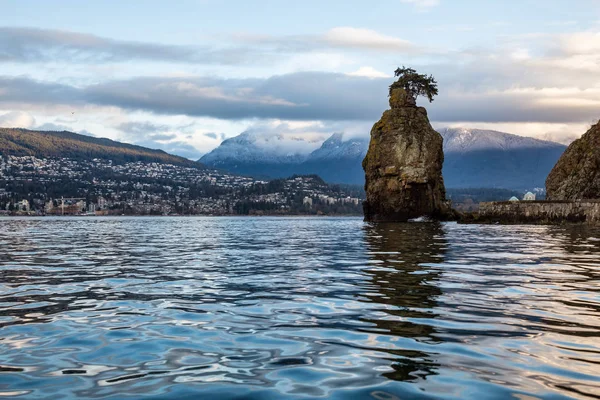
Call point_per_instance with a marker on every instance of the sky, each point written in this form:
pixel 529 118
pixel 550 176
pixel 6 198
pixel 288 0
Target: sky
pixel 183 76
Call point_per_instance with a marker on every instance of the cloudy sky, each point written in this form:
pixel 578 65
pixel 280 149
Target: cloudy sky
pixel 184 75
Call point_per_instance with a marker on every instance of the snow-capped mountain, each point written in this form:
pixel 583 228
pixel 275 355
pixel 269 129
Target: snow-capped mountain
pixel 251 147
pixel 338 160
pixel 335 147
pixel 335 159
pixel 473 158
pixel 462 140
pixel 261 155
pixel 484 158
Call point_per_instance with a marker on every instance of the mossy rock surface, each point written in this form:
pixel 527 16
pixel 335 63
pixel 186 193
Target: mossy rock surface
pixel 576 175
pixel 403 166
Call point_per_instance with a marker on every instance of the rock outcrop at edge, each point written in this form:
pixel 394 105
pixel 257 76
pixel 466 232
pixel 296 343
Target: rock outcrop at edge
pixel 576 175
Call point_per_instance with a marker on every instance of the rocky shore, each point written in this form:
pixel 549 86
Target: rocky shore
pixel 536 212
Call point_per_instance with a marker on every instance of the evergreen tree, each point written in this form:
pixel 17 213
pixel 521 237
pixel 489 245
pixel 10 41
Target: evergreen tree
pixel 414 83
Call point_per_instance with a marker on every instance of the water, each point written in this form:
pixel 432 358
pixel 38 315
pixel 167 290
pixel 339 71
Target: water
pixel 273 308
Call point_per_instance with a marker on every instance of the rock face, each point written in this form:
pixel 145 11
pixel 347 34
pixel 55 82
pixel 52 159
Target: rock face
pixel 539 212
pixel 576 176
pixel 403 166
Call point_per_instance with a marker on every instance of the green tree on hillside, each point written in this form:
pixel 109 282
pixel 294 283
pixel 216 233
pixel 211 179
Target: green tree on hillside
pixel 414 83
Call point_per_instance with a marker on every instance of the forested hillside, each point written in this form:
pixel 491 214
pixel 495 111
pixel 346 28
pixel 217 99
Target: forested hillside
pixel 23 142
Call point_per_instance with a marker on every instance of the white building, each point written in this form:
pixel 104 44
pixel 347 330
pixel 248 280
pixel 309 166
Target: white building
pixel 81 205
pixel 529 196
pixel 49 206
pixel 23 205
pixel 307 200
pixel 101 203
pixel 513 199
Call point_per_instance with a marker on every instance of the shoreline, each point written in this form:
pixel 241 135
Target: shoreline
pixel 541 212
pixel 185 216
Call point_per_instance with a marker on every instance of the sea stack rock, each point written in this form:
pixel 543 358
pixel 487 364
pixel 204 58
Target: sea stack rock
pixel 576 175
pixel 403 166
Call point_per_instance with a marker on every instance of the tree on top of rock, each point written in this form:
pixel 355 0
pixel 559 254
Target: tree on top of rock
pixel 414 83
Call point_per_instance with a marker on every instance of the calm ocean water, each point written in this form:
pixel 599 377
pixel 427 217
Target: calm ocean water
pixel 272 308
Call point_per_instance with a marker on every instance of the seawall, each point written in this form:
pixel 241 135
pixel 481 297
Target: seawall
pixel 540 212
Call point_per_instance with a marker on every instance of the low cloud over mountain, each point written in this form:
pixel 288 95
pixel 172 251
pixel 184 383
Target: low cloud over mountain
pixel 473 158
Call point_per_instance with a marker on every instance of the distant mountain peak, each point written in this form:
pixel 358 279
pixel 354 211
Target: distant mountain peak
pixel 486 158
pixel 278 155
pixel 254 147
pixel 465 139
pixel 336 148
pixel 334 140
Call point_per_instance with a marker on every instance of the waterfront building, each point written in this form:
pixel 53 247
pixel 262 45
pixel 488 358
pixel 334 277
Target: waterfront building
pixel 23 205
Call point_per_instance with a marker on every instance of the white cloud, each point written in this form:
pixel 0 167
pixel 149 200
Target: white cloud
pixel 317 61
pixel 580 43
pixel 542 85
pixel 18 44
pixel 341 38
pixel 17 119
pixel 368 39
pixel 422 4
pixel 561 97
pixel 306 136
pixel 369 72
pixel 520 54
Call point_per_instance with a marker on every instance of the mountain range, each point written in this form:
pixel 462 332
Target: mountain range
pixel 336 160
pixel 473 158
pixel 484 158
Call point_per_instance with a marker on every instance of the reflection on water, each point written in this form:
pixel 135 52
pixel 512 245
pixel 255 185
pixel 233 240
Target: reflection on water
pixel 296 308
pixel 407 288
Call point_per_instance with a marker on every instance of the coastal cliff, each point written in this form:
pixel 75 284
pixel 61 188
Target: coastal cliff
pixel 403 166
pixel 576 175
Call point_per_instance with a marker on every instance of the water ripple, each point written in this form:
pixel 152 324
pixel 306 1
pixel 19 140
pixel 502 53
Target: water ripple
pixel 297 308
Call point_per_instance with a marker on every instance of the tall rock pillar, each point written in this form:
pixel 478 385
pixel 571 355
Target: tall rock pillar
pixel 403 166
